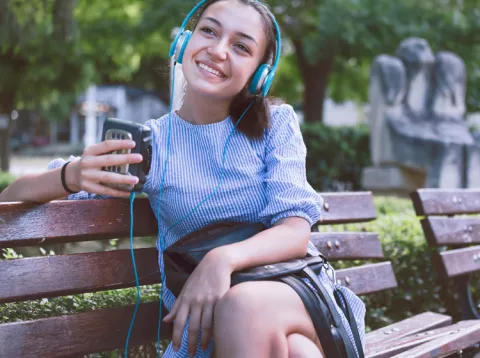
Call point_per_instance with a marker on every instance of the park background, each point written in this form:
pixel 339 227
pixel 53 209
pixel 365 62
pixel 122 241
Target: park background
pixel 53 51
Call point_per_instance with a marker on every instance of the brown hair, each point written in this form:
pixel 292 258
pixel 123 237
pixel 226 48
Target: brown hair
pixel 256 120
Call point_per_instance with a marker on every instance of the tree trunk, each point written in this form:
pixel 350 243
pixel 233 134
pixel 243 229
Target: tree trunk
pixel 6 108
pixel 12 69
pixel 315 77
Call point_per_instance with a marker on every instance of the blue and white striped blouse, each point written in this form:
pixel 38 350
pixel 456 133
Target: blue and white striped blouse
pixel 264 181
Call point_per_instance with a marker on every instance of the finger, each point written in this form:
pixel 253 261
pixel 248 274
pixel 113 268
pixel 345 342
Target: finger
pixel 109 146
pixel 207 325
pixel 102 176
pixel 104 190
pixel 171 315
pixel 193 328
pixel 107 160
pixel 179 326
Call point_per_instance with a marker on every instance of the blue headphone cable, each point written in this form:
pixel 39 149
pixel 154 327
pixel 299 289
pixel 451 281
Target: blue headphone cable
pixel 162 240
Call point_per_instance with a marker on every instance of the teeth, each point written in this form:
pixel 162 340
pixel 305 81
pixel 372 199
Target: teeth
pixel 209 69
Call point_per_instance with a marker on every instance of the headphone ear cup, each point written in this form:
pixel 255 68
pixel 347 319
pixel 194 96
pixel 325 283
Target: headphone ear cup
pixel 178 46
pixel 258 79
pixel 268 83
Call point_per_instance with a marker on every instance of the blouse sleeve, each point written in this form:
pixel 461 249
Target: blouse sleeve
pixel 287 191
pixel 81 195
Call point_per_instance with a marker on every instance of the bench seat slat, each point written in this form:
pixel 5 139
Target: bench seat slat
pixel 451 231
pixel 348 245
pixel 399 346
pixel 460 261
pixel 82 333
pixel 412 325
pixel 50 276
pixel 27 224
pixel 368 279
pixel 446 201
pixel 464 335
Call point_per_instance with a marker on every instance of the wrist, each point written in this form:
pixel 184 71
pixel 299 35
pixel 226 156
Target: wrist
pixel 71 177
pixel 224 257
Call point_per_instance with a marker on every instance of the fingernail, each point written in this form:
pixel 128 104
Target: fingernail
pixel 134 180
pixel 132 143
pixel 138 156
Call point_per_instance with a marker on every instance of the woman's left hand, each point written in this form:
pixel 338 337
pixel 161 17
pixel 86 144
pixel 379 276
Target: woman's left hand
pixel 206 285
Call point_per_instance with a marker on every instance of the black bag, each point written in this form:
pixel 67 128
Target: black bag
pixel 182 257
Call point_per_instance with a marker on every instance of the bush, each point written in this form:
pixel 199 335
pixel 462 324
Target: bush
pixel 5 180
pixel 336 156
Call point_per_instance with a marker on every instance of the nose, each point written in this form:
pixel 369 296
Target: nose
pixel 218 50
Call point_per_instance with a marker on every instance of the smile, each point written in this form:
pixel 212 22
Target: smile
pixel 210 70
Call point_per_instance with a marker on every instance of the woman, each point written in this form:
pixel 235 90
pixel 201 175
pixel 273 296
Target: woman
pixel 264 181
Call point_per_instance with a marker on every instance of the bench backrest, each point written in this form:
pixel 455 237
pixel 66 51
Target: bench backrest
pixel 457 235
pixel 23 279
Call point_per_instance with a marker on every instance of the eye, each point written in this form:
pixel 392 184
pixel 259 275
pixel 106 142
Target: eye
pixel 207 30
pixel 243 48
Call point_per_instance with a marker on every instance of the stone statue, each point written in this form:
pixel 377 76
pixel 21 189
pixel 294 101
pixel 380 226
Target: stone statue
pixel 419 137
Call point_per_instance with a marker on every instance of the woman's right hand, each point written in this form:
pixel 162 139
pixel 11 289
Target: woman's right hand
pixel 87 174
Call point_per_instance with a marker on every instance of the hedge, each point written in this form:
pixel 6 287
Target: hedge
pixel 336 156
pixel 5 180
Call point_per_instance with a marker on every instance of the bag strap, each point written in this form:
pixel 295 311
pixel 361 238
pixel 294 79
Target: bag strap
pixel 342 302
pixel 350 350
pixel 332 342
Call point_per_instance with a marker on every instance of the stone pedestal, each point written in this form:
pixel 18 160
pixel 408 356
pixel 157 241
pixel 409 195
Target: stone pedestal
pixel 473 165
pixel 392 180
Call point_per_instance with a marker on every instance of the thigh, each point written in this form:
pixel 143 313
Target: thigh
pixel 267 304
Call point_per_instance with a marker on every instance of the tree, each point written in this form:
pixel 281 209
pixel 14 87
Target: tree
pixel 337 40
pixel 53 49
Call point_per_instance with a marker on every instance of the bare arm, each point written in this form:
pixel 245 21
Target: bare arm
pixel 39 188
pixel 287 239
pixel 85 174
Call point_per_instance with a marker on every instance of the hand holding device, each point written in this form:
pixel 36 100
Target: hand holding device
pixel 117 129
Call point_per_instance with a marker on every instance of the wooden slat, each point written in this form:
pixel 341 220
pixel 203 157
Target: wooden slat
pixel 348 245
pixel 406 344
pixel 83 333
pixel 341 208
pixel 459 339
pixel 412 325
pixel 460 261
pixel 50 276
pixel 446 201
pixel 26 224
pixel 451 231
pixel 368 279
pixel 23 224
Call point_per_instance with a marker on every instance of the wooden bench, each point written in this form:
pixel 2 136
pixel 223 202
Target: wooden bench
pixel 457 238
pixel 425 335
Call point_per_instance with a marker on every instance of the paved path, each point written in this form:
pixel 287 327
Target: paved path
pixel 20 165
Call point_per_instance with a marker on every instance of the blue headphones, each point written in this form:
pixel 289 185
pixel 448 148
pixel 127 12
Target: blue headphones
pixel 263 76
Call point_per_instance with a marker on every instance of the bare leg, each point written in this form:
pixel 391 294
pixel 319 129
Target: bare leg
pixel 301 347
pixel 256 319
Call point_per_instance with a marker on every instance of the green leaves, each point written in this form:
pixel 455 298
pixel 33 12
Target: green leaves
pixel 336 156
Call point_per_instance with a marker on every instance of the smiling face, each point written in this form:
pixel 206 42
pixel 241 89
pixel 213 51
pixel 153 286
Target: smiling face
pixel 225 49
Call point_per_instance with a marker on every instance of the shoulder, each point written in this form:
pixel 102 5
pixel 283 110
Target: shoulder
pixel 156 124
pixel 283 119
pixel 282 112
